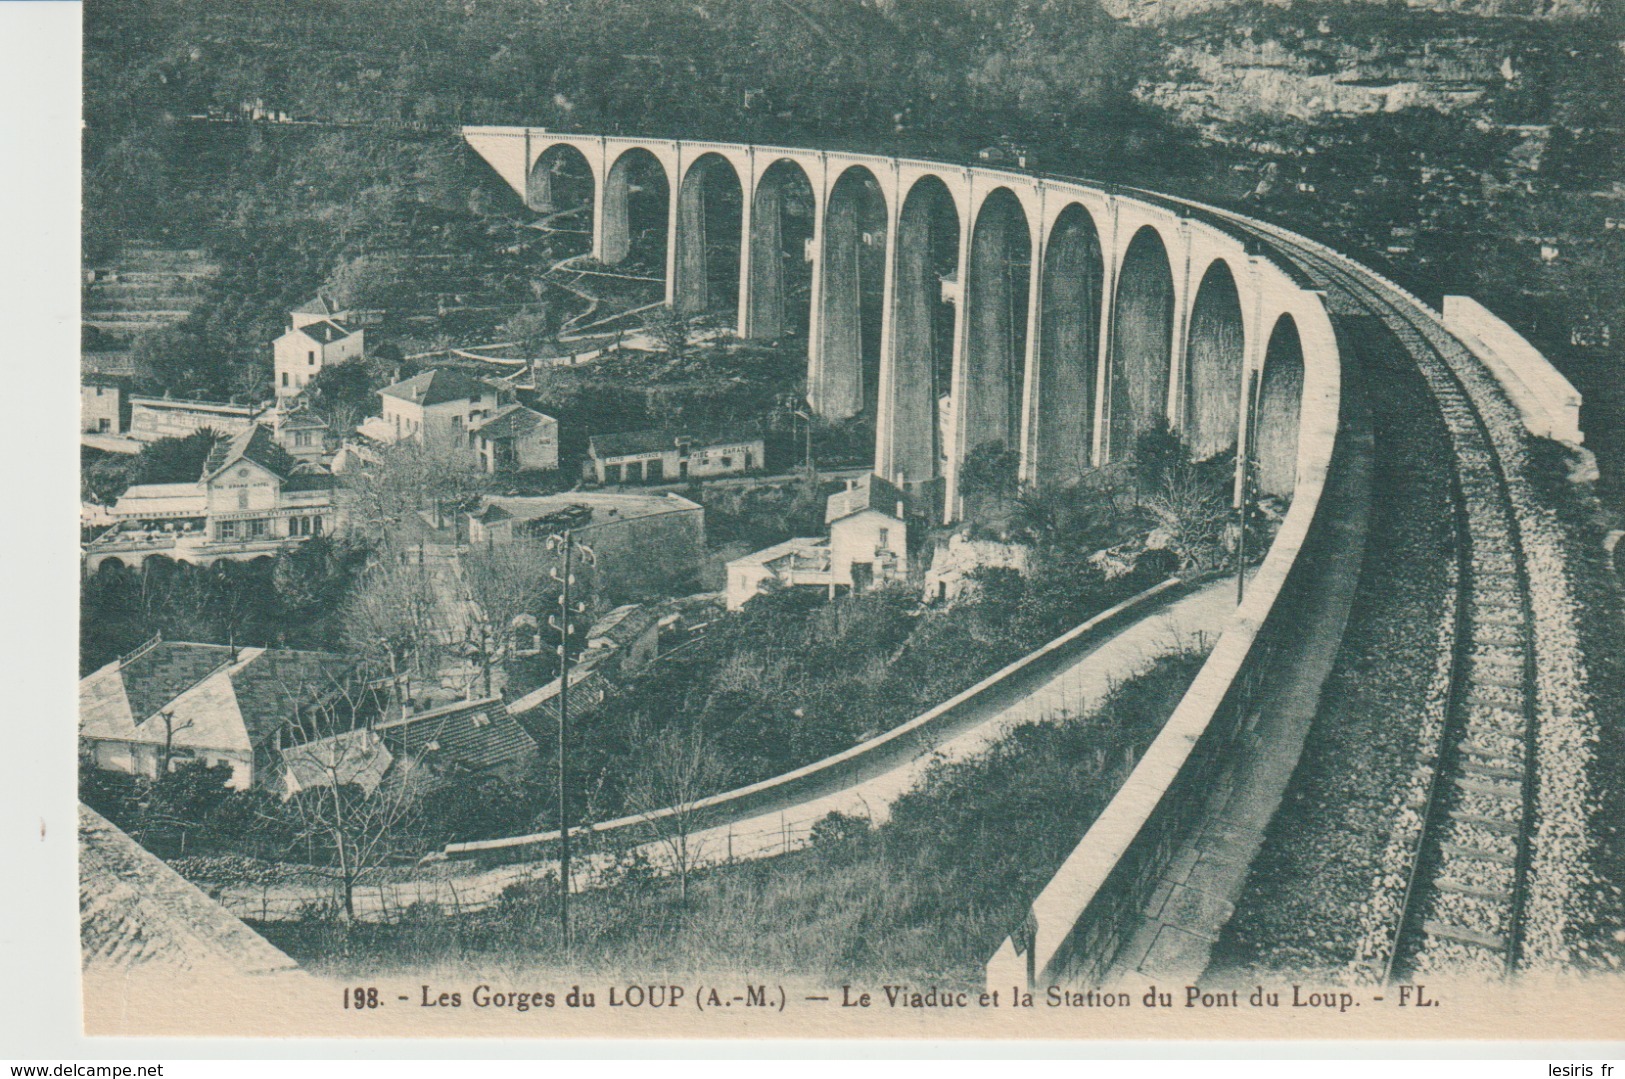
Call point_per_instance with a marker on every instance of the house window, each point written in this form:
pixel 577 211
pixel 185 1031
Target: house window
pixel 226 530
pixel 284 380
pixel 885 535
pixel 727 462
pixel 311 359
pixel 316 526
pixel 256 528
pixel 104 425
pixel 301 438
pixel 98 391
pixel 242 499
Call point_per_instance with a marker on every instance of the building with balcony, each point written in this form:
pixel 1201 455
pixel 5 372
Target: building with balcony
pixel 251 501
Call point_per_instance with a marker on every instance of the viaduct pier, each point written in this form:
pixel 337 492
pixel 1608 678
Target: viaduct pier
pixel 970 307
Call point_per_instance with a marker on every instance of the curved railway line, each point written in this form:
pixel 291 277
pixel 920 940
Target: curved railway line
pixel 1463 903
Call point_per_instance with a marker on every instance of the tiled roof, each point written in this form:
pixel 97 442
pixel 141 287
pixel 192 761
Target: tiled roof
pixel 213 700
pixel 326 331
pixel 310 481
pixel 808 549
pixel 116 697
pixel 300 419
pixel 437 387
pixel 511 421
pixel 136 912
pixel 321 305
pixel 623 624
pixel 868 493
pixel 257 444
pixel 476 734
pixel 358 757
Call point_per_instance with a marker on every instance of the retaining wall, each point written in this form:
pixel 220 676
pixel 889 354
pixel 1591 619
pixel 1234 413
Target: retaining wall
pixel 880 754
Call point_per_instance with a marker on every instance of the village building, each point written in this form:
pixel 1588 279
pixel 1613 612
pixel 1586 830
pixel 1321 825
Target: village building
pixel 350 758
pixel 867 546
pixel 173 701
pixel 440 407
pixel 312 342
pixel 642 544
pixel 517 439
pixel 473 735
pixel 152 418
pixel 251 501
pixel 668 457
pixel 538 710
pixel 301 433
pixel 627 638
pixel 104 394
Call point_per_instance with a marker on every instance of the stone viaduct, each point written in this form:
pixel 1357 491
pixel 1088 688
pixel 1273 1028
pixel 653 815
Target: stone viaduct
pixel 964 306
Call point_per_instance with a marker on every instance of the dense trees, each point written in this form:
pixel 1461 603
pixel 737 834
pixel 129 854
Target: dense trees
pixel 288 601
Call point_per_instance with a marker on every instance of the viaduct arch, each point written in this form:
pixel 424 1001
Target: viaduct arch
pixel 960 306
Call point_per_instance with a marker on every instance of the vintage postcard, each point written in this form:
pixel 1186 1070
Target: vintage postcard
pixel 1000 519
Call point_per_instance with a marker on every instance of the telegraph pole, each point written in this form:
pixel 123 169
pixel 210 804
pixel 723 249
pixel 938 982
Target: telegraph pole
pixel 566 580
pixel 564 727
pixel 1244 483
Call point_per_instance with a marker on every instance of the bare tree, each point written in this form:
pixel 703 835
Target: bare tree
pixel 407 478
pixel 348 798
pixel 166 719
pixel 678 768
pixel 1193 514
pixel 390 620
pixel 673 332
pixel 506 582
pixel 358 825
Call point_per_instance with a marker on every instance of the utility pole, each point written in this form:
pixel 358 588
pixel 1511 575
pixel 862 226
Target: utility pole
pixel 566 580
pixel 1244 483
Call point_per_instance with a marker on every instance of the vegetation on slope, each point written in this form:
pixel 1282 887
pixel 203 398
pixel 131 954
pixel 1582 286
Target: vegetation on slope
pixel 927 896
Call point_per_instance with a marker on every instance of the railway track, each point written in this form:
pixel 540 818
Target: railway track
pixel 1463 906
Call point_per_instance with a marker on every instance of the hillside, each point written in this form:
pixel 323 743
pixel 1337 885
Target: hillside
pixel 1163 11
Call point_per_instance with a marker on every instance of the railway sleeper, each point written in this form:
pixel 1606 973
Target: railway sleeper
pixel 1493 771
pixel 1505 827
pixel 1498 895
pixel 1457 850
pixel 1463 935
pixel 1501 747
pixel 1495 790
